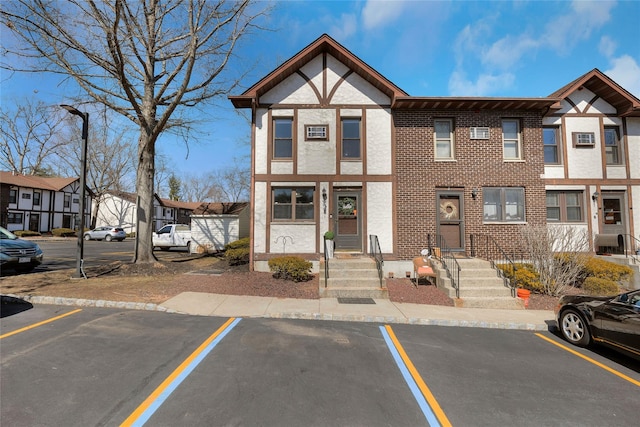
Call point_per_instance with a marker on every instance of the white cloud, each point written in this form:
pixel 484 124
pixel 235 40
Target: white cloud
pixel 607 46
pixel 485 84
pixel 347 26
pixel 507 52
pixel 381 13
pixel 626 72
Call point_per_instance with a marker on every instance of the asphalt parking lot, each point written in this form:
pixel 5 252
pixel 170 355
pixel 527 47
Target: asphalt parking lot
pixel 92 366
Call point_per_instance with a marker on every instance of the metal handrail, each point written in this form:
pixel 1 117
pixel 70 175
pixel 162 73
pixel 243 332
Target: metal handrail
pixel 374 250
pixel 633 247
pixel 326 262
pixel 449 262
pixel 485 247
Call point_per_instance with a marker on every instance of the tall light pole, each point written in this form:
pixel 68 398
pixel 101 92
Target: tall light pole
pixel 83 184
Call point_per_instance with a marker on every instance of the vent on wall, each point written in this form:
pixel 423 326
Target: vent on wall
pixel 479 132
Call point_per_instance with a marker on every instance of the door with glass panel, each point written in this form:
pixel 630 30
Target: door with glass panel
pixel 614 221
pixel 450 217
pixel 347 218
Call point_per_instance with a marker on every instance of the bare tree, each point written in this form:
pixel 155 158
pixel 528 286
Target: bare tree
pixel 558 254
pixel 145 59
pixel 231 184
pixel 29 137
pixel 196 188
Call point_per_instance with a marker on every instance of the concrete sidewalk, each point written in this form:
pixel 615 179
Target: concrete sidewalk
pixel 383 311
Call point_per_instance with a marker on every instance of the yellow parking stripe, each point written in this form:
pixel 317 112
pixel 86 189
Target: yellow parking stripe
pixel 588 359
pixel 433 403
pixel 35 325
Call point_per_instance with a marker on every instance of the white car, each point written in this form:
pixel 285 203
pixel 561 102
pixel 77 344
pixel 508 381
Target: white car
pixel 106 233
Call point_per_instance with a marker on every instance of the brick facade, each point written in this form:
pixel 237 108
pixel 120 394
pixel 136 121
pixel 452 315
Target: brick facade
pixel 477 164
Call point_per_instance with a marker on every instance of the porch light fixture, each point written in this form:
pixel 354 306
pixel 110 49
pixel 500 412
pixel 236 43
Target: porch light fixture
pixel 474 193
pixel 595 196
pixel 324 200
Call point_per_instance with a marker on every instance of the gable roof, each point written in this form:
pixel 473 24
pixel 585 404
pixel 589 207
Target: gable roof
pixel 321 45
pixel 37 182
pixel 599 83
pixel 231 208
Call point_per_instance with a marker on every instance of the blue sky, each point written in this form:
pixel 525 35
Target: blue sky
pixel 428 48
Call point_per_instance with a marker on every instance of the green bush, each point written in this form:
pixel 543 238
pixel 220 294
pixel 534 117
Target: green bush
pixel 603 269
pixel 237 252
pixel 525 276
pixel 599 286
pixel 290 268
pixel 64 232
pixel 26 233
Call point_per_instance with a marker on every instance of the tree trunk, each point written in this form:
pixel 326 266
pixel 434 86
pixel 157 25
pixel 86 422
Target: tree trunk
pixel 144 186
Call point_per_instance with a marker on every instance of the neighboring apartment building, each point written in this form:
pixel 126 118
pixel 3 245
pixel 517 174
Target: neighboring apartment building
pixel 336 146
pixel 118 208
pixel 40 204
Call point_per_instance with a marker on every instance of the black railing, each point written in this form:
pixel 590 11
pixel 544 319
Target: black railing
pixel 631 248
pixel 485 247
pixel 376 253
pixel 326 261
pixel 438 247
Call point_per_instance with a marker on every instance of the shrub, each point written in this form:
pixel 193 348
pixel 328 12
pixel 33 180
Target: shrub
pixel 26 233
pixel 237 252
pixel 599 286
pixel 290 268
pixel 329 235
pixel 525 276
pixel 64 232
pixel 603 269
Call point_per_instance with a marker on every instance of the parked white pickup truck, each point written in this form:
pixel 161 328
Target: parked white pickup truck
pixel 172 236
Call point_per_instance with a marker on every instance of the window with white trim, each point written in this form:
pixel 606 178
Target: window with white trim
pixel 443 136
pixel 67 200
pixel 511 140
pixel 13 195
pixel 14 218
pixel 503 204
pixel 36 198
pixel 293 204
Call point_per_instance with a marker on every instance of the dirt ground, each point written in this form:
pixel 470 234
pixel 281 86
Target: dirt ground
pixel 160 281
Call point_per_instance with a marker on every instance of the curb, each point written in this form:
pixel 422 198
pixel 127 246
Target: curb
pixel 80 302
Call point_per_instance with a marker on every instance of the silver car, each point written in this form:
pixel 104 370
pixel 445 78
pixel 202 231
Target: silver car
pixel 18 254
pixel 106 233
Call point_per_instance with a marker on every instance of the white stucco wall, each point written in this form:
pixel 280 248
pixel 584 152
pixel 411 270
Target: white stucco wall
pixel 356 90
pixel 261 141
pixel 379 142
pixel 633 138
pixel 260 219
pixel 380 213
pixel 351 167
pixel 293 90
pixel 117 212
pixel 583 162
pixel 314 156
pixel 293 238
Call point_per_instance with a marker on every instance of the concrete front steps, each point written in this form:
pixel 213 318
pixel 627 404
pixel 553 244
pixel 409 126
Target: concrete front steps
pixel 480 286
pixel 352 277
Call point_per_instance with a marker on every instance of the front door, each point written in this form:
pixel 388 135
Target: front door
pixel 34 222
pixel 613 209
pixel 347 217
pixel 450 219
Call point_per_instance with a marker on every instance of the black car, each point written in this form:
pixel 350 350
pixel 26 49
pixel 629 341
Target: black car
pixel 612 320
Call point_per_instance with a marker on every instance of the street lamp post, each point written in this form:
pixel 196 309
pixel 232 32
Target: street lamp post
pixel 83 184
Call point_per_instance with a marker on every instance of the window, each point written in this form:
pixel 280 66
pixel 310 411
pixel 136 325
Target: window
pixel 350 138
pixel 583 139
pixel 443 135
pixel 294 204
pixel 282 138
pixel 13 195
pixel 612 146
pixel 511 149
pixel 76 200
pixel 564 206
pixel 316 132
pixel 551 147
pixel 503 204
pixel 67 200
pixel 26 196
pixel 14 218
pixel 36 198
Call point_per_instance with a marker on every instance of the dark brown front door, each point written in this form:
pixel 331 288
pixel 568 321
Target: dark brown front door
pixel 34 222
pixel 450 219
pixel 347 216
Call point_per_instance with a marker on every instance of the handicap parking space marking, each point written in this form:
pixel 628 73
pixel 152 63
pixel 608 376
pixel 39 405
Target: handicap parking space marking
pixel 428 404
pixel 147 408
pixel 35 325
pixel 590 360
